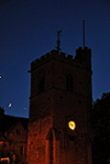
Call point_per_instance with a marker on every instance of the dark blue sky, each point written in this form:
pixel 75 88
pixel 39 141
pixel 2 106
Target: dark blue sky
pixel 28 31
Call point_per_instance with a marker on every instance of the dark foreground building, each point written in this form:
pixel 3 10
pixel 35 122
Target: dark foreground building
pixel 13 138
pixel 58 129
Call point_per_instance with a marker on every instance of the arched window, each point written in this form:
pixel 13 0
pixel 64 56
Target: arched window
pixel 42 84
pixel 69 82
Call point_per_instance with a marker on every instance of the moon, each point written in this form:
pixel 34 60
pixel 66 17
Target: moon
pixel 9 105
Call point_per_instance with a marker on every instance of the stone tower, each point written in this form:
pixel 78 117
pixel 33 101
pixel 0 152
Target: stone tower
pixel 59 109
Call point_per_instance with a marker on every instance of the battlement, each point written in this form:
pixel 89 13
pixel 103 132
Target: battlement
pixel 83 51
pixel 49 56
pixel 79 59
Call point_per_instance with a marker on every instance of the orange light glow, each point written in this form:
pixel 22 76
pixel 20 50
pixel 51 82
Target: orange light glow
pixel 1 142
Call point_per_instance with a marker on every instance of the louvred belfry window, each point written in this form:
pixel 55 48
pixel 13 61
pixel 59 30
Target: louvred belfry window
pixel 42 84
pixel 69 82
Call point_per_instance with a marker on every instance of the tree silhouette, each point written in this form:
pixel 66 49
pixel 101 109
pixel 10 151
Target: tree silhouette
pixel 100 123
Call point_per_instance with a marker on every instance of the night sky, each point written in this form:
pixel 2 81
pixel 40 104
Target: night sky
pixel 28 31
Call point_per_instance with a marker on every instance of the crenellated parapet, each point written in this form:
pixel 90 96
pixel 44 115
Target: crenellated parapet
pixel 83 53
pixel 49 56
pixel 81 58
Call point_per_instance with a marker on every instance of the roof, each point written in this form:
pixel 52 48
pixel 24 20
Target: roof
pixel 7 122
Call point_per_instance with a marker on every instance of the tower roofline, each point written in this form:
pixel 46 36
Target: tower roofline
pixel 64 57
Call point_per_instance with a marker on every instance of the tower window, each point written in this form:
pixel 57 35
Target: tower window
pixel 69 82
pixel 42 84
pixel 22 150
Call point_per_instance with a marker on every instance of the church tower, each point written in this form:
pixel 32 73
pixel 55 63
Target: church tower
pixel 59 109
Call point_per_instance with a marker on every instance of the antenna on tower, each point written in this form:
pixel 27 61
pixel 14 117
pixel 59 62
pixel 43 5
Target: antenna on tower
pixel 83 31
pixel 58 40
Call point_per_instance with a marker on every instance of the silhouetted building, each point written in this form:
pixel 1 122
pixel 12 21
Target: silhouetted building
pixel 13 138
pixel 59 109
